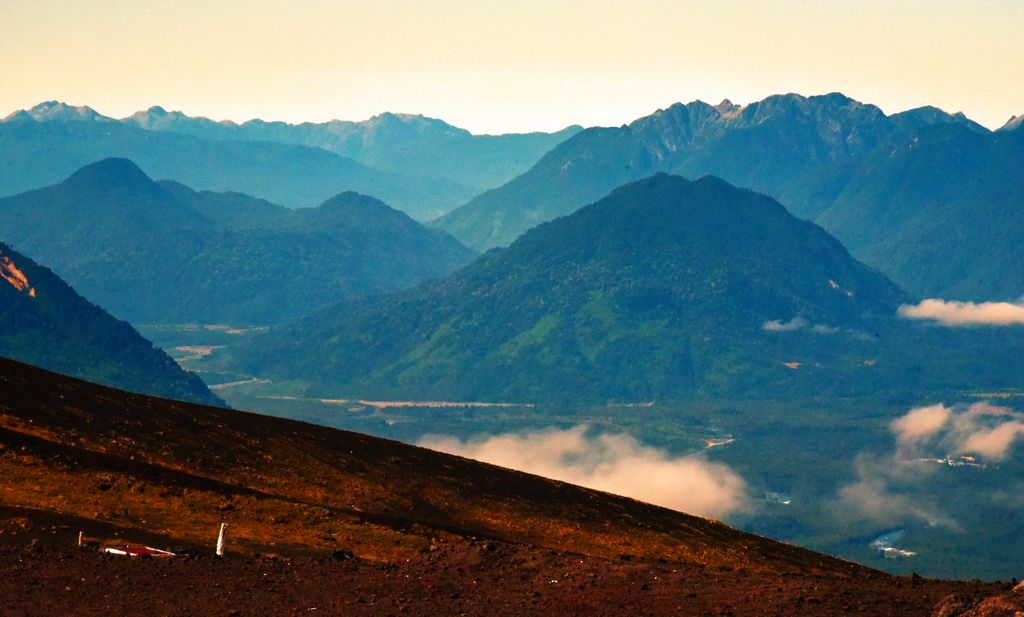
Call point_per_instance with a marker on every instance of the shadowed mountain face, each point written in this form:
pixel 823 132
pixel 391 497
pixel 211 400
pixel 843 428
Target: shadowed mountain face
pixel 402 143
pixel 941 212
pixel 162 252
pixel 890 188
pixel 664 289
pixel 46 144
pixel 47 324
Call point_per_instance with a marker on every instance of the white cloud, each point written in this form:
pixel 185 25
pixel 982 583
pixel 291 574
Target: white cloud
pixel 979 428
pixel 798 323
pixel 886 489
pixel 983 428
pixel 615 463
pixel 993 443
pixel 920 423
pixel 776 325
pixel 883 493
pixel 954 313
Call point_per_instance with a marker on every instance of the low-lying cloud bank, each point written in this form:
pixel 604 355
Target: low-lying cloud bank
pixel 954 313
pixel 982 428
pixel 615 463
pixel 886 490
pixel 885 493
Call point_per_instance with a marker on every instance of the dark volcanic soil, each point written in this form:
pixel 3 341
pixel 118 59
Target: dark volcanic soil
pixel 473 579
pixel 75 457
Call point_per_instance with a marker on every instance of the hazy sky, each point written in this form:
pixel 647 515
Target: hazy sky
pixel 493 66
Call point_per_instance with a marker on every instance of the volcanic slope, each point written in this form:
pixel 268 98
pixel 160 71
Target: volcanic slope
pixel 664 289
pixel 82 450
pixel 454 535
pixel 161 252
pixel 46 323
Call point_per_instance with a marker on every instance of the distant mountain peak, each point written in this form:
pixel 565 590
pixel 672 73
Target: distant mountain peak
pixel 56 111
pixel 389 119
pixel 358 211
pixel 159 118
pixel 391 115
pixel 663 265
pixel 112 172
pixel 929 114
pixel 834 97
pixel 351 199
pixel 727 106
pixel 1013 123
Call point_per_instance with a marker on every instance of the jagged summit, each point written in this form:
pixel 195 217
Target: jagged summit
pixel 1013 123
pixel 780 145
pixel 57 111
pixel 728 109
pixel 157 118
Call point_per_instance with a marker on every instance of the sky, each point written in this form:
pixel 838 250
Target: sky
pixel 493 66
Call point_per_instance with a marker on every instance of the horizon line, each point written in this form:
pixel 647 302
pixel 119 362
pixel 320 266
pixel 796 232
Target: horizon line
pixel 296 122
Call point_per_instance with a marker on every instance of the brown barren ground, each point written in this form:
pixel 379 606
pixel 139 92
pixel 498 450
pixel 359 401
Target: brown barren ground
pixel 432 533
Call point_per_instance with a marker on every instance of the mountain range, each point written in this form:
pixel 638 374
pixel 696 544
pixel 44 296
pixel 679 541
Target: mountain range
pixel 162 252
pixel 422 166
pixel 402 143
pixel 665 289
pixel 662 289
pixel 925 196
pixel 727 310
pixel 867 178
pixel 47 324
pixel 45 146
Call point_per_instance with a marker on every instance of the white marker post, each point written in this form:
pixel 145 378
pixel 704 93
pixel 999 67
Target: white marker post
pixel 81 538
pixel 221 537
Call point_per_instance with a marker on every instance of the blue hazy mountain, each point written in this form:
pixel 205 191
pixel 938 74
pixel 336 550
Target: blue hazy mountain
pixel 44 145
pixel 664 289
pixel 940 210
pixel 162 252
pixel 402 143
pixel 891 188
